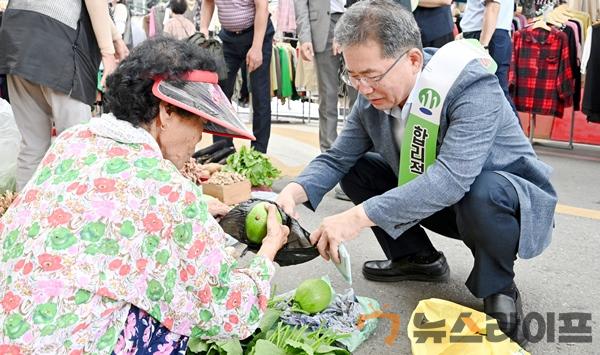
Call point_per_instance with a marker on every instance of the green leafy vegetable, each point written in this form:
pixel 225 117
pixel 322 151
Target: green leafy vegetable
pixel 254 165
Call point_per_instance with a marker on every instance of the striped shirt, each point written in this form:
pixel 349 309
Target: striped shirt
pixel 236 15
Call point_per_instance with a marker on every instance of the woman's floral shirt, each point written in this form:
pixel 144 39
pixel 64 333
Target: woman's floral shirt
pixel 104 225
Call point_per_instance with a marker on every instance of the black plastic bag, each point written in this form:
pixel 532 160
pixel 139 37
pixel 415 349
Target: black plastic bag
pixel 297 250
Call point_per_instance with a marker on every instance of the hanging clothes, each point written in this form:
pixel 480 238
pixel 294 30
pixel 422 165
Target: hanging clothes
pixel 586 51
pixel 273 71
pixel 591 7
pixel 286 82
pixel 286 16
pixel 157 17
pixel 306 76
pixel 541 74
pixel 578 38
pixel 591 92
pixel 574 63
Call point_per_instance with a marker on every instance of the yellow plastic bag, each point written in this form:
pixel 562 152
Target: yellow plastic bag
pixel 442 327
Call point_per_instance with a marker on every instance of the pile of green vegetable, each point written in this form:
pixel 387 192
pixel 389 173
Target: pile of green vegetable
pixel 254 165
pixel 276 338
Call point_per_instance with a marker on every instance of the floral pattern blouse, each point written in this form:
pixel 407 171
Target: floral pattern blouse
pixel 103 225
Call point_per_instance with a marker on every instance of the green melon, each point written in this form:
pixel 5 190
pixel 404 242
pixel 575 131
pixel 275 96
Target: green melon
pixel 256 222
pixel 313 295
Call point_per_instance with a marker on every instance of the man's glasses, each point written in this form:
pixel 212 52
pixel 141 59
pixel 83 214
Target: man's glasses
pixel 372 81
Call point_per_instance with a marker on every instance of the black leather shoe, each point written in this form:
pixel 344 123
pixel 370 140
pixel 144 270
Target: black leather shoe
pixel 411 268
pixel 508 311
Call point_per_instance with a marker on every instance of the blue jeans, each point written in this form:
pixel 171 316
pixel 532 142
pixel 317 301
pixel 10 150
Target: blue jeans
pixel 235 48
pixel 500 48
pixel 486 219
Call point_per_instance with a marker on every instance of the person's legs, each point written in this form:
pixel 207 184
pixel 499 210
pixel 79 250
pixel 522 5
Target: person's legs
pixel 244 94
pixel 234 53
pixel 501 52
pixel 33 116
pixel 260 86
pixel 327 79
pixel 487 218
pixel 66 111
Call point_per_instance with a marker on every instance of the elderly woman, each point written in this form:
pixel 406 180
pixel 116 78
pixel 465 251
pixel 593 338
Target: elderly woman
pixel 109 248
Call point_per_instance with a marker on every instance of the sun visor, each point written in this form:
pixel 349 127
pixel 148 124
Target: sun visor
pixel 198 92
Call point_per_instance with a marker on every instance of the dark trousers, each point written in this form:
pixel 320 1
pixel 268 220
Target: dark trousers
pixel 500 48
pixel 486 219
pixel 235 48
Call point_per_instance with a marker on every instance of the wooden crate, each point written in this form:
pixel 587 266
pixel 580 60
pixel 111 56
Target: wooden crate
pixel 229 194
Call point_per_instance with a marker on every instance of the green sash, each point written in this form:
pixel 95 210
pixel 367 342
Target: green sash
pixel 419 141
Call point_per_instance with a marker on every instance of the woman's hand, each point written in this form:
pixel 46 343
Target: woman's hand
pixel 276 235
pixel 217 208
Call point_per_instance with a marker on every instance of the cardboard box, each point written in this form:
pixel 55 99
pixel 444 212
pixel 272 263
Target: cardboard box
pixel 229 194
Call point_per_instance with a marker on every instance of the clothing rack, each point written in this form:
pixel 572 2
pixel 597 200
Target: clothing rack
pixel 569 146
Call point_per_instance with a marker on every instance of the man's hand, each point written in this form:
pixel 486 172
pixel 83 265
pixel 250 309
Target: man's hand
pixel 306 51
pixel 291 195
pixel 339 228
pixel 254 58
pixel 287 203
pixel 121 50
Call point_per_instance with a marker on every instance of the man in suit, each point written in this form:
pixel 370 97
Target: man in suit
pixel 315 21
pixel 486 187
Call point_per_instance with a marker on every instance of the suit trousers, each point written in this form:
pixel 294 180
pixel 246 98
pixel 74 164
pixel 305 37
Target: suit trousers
pixel 328 81
pixel 35 108
pixel 486 219
pixel 235 48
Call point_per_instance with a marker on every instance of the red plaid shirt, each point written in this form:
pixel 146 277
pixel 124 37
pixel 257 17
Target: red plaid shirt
pixel 540 75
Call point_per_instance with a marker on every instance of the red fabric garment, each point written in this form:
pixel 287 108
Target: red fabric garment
pixel 540 77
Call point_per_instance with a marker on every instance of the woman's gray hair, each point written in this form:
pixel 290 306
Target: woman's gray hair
pixel 383 21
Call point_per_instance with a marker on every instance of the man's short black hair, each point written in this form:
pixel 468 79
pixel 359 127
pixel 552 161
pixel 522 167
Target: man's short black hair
pixel 129 88
pixel 178 6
